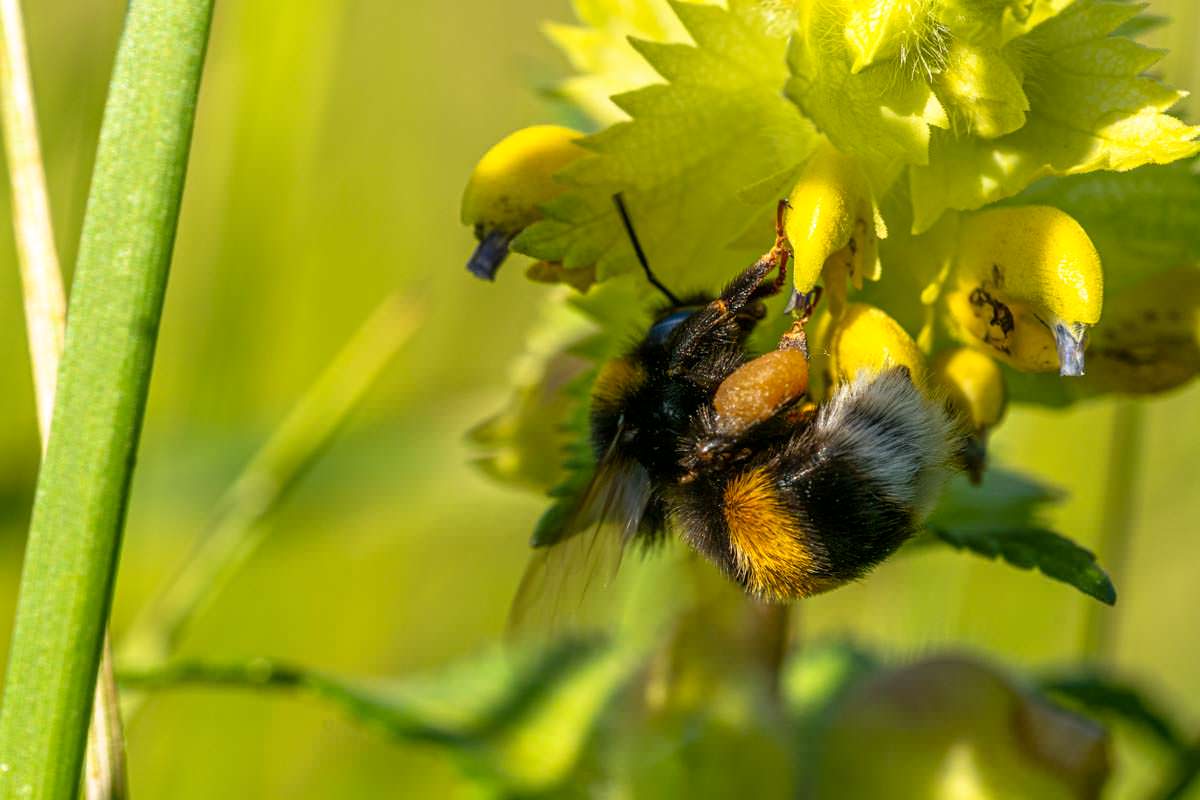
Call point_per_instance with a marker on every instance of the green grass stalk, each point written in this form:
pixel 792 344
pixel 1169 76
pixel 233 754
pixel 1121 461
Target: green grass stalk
pixel 234 532
pixel 79 509
pixel 1120 501
pixel 45 318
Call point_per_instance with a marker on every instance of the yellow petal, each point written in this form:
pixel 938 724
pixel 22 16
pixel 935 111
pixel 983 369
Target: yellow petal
pixel 974 386
pixel 833 216
pixel 865 338
pixel 517 175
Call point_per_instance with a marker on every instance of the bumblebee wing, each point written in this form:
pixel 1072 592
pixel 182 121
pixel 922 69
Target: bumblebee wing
pixel 554 592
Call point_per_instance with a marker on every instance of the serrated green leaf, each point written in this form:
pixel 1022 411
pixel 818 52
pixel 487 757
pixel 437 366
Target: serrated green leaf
pixel 723 56
pixel 518 717
pixel 1141 25
pixel 600 51
pixel 981 90
pixel 1106 695
pixel 1022 16
pixel 719 126
pixel 1001 519
pixel 1005 499
pixel 1090 108
pixel 1053 555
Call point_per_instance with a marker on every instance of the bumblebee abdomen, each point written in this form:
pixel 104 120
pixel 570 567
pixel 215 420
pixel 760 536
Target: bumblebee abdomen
pixel 855 521
pixel 773 547
pixel 789 529
pixel 822 504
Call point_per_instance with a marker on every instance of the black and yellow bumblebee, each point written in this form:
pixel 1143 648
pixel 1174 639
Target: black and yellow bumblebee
pixel 692 434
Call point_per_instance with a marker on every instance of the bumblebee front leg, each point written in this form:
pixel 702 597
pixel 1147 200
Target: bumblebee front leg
pixel 749 286
pixel 722 317
pixel 781 250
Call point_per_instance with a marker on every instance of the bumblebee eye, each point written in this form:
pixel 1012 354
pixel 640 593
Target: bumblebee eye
pixel 661 330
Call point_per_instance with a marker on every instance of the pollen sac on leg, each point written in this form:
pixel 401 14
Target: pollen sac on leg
pixel 759 389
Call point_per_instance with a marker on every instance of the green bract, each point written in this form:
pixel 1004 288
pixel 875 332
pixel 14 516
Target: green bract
pixel 599 49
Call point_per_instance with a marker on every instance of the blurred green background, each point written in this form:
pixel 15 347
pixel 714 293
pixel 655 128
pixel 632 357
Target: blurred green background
pixel 332 143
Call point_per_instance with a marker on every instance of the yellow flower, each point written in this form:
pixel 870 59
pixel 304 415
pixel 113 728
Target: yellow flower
pixel 833 225
pixel 865 338
pixel 1027 284
pixel 508 185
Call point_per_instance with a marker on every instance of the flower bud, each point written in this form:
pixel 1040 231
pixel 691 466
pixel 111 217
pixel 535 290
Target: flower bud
pixel 865 338
pixel 509 184
pixel 955 727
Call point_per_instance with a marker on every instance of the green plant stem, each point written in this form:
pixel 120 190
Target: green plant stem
pixel 767 634
pixel 264 674
pixel 116 301
pixel 1184 776
pixel 45 318
pixel 234 531
pixel 410 708
pixel 1120 500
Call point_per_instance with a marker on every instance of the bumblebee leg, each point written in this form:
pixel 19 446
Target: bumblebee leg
pixel 749 285
pixel 768 385
pixel 722 317
pixel 781 247
pixel 802 306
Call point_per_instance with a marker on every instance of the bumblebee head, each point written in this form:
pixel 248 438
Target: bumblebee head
pixel 643 402
pixel 666 324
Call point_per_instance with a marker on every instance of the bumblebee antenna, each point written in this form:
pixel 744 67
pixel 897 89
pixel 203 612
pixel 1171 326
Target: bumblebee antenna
pixel 637 248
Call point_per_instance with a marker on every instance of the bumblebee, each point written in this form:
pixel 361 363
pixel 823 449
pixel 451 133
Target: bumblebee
pixel 789 498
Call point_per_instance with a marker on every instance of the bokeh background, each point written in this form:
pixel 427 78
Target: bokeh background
pixel 332 143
